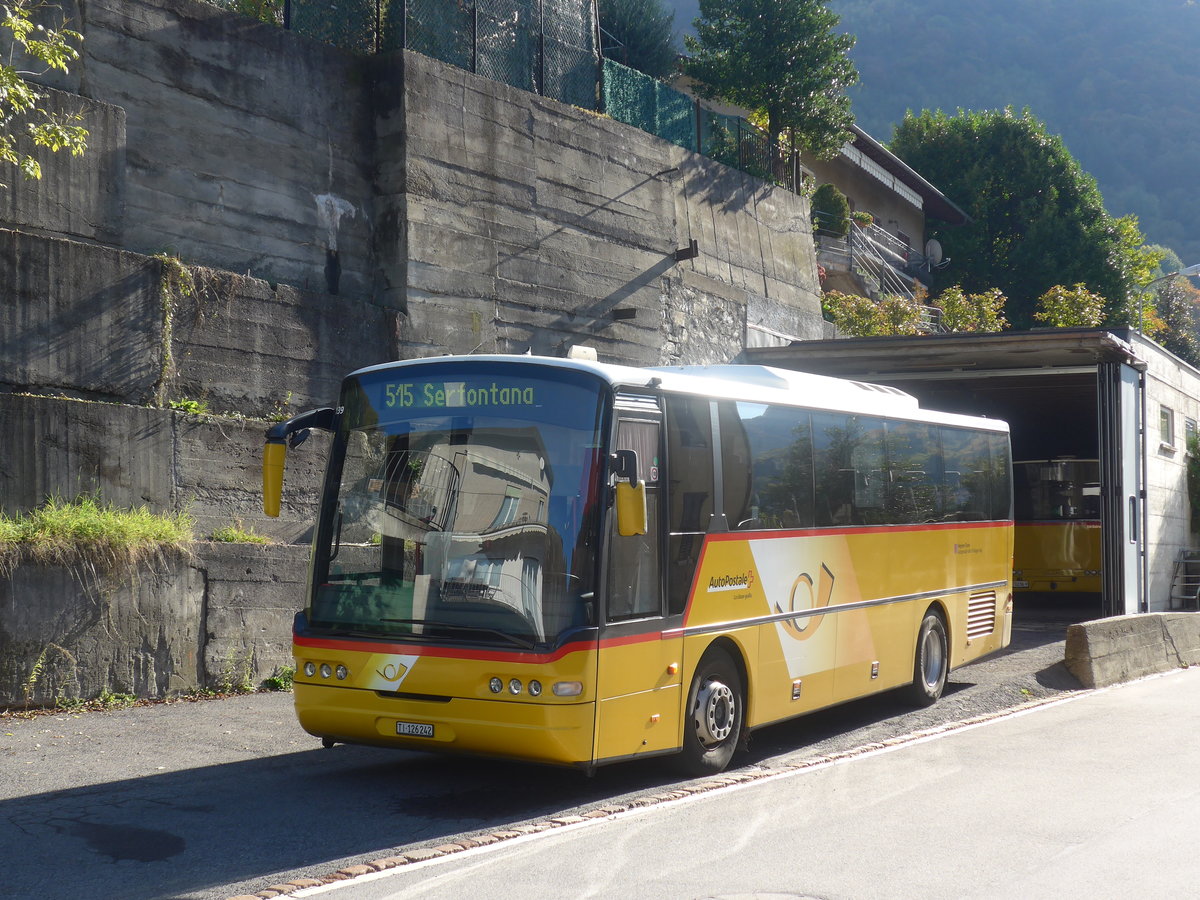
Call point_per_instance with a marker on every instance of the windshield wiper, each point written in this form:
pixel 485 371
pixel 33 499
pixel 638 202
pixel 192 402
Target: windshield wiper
pixel 519 641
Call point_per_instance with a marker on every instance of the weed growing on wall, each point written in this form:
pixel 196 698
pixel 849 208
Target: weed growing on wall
pixel 87 532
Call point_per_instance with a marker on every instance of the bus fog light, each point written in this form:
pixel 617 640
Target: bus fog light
pixel 567 688
pixel 326 670
pixel 496 685
pixel 535 689
pixel 514 686
pixel 341 672
pixel 310 669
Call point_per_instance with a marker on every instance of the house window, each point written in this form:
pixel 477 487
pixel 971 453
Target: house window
pixel 1189 432
pixel 1166 426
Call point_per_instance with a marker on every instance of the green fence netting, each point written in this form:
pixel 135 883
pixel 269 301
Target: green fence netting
pixel 646 103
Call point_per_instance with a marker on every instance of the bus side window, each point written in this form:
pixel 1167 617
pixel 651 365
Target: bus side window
pixel 967 482
pixel 634 582
pixel 690 492
pixel 849 469
pixel 915 473
pixel 737 468
pixel 780 447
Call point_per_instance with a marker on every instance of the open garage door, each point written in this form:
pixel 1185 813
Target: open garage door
pixel 1122 499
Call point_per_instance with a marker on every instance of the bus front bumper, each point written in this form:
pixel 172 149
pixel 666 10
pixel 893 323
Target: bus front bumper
pixel 554 733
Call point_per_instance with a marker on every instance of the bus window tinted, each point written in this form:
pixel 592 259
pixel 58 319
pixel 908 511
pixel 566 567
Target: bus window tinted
pixel 780 440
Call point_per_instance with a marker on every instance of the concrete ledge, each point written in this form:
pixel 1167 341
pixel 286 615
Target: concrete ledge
pixel 1109 651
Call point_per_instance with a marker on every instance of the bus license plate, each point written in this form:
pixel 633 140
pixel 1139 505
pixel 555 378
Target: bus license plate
pixel 1020 584
pixel 414 729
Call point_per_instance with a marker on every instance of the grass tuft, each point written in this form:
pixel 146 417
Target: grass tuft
pixel 85 530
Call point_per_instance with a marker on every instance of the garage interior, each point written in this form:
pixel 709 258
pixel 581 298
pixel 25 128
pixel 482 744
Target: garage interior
pixel 1049 385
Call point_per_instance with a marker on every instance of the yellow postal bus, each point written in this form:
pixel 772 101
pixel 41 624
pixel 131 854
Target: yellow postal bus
pixel 1057 542
pixel 577 563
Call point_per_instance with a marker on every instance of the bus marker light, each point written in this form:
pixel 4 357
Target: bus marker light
pixel 514 686
pixel 326 670
pixel 341 672
pixel 567 688
pixel 535 688
pixel 673 669
pixel 496 685
pixel 310 669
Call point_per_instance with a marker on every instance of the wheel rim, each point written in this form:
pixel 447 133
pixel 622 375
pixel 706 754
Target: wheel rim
pixel 715 713
pixel 933 658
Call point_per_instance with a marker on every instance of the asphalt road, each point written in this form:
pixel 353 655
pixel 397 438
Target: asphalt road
pixel 207 800
pixel 1042 805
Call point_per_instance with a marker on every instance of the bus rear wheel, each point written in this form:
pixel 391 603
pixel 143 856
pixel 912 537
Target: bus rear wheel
pixel 932 661
pixel 714 717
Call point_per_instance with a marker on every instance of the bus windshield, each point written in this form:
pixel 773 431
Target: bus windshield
pixel 1057 489
pixel 461 505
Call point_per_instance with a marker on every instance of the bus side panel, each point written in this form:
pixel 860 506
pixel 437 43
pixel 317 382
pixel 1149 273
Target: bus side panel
pixel 385 692
pixel 639 705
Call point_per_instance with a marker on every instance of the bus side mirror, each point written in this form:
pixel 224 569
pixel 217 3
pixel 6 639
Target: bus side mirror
pixel 631 509
pixel 631 495
pixel 280 436
pixel 274 455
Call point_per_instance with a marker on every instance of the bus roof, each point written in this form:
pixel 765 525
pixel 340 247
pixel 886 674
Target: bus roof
pixel 747 383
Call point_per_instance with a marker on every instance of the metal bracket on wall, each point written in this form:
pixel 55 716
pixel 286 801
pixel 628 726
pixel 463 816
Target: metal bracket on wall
pixel 691 251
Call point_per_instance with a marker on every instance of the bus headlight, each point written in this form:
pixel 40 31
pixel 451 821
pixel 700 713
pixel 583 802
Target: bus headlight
pixel 535 689
pixel 567 688
pixel 310 669
pixel 326 670
pixel 341 672
pixel 496 685
pixel 514 686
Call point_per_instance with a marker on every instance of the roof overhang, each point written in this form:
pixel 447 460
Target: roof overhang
pixel 940 356
pixel 937 204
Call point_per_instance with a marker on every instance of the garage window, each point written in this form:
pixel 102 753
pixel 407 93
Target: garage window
pixel 1166 427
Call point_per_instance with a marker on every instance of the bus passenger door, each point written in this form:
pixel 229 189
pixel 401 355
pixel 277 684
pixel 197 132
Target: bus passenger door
pixel 638 677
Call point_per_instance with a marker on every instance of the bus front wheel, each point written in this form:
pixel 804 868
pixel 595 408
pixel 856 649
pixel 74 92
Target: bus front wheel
pixel 714 716
pixel 932 662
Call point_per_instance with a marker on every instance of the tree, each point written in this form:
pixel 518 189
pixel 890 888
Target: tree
pixel 25 122
pixel 860 316
pixel 1176 307
pixel 982 312
pixel 830 210
pixel 1063 307
pixel 781 58
pixel 1037 218
pixel 645 31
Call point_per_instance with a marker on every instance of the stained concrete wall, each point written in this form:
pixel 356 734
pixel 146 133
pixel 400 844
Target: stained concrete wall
pixel 332 211
pixel 217 620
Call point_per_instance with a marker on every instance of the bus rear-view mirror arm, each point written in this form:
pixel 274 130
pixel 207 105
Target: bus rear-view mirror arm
pixel 280 436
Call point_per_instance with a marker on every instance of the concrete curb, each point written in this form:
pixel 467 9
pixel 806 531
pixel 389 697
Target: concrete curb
pixel 1108 651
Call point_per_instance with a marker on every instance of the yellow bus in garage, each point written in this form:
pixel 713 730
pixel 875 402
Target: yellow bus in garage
pixel 1057 544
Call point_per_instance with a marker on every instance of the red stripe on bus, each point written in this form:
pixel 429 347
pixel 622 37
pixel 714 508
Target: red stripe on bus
pixel 850 529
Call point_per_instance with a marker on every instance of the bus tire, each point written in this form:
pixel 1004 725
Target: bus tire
pixel 714 716
pixel 931 664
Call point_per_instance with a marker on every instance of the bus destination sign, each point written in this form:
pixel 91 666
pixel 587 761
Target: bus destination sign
pixel 456 395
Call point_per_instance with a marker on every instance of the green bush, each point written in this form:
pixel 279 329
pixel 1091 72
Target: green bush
pixel 830 211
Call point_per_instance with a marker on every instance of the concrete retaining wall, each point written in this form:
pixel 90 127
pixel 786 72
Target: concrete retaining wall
pixel 1109 651
pixel 219 620
pixel 165 460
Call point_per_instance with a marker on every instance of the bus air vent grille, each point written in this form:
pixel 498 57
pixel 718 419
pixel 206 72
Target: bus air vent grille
pixel 981 614
pixel 637 402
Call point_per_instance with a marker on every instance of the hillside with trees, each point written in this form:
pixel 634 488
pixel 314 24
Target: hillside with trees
pixel 1114 78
